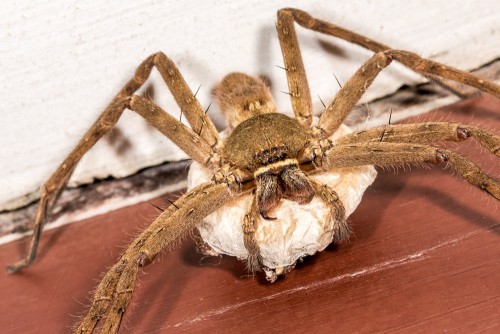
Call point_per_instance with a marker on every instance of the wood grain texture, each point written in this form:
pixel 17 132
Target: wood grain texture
pixel 424 258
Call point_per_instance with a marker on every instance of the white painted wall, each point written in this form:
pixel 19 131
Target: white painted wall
pixel 63 60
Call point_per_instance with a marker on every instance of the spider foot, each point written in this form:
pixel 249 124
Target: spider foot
pixel 15 267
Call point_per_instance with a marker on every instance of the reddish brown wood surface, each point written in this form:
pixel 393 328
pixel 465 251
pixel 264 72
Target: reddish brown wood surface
pixel 425 257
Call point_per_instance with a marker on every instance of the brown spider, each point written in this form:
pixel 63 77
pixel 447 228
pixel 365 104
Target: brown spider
pixel 267 153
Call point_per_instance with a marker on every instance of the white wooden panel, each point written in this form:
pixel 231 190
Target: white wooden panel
pixel 62 61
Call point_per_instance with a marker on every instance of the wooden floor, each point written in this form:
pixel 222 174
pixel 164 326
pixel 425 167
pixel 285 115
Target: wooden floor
pixel 424 258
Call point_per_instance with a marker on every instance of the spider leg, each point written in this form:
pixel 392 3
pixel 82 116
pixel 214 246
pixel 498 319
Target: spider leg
pixel 434 69
pixel 190 107
pixel 349 95
pixel 182 136
pixel 329 196
pixel 250 224
pixel 114 292
pixel 298 87
pixel 430 69
pixel 425 133
pixel 393 154
pixel 51 189
pixel 195 144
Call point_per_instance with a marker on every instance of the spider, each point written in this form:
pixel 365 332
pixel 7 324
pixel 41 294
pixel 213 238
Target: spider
pixel 269 157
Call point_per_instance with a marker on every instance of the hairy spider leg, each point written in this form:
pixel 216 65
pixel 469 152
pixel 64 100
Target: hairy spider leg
pixel 394 154
pixel 298 86
pixel 250 225
pixel 425 133
pixel 196 142
pixel 330 197
pixel 435 71
pixel 112 295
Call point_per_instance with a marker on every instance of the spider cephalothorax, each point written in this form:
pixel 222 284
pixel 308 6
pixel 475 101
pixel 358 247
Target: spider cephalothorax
pixel 271 155
pixel 271 179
